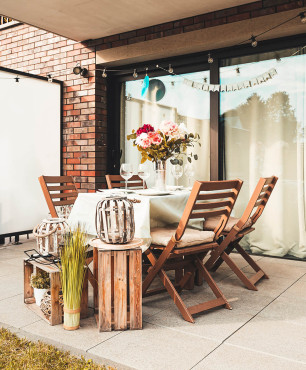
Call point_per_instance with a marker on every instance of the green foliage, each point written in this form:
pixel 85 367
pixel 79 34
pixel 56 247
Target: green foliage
pixel 19 353
pixel 41 280
pixel 73 259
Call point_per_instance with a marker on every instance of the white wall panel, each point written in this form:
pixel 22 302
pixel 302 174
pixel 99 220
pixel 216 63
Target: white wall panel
pixel 30 115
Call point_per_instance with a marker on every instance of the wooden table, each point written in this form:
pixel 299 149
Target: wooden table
pixel 118 297
pixel 56 316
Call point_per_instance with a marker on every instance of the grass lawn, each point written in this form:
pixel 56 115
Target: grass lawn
pixel 18 353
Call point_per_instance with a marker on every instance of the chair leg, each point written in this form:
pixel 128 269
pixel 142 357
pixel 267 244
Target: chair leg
pixel 213 286
pixel 250 260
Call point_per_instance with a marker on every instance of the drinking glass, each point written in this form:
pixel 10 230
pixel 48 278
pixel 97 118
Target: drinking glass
pixel 189 172
pixel 143 173
pixel 177 172
pixel 126 171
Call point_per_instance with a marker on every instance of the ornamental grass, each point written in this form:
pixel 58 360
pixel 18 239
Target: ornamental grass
pixel 19 353
pixel 73 260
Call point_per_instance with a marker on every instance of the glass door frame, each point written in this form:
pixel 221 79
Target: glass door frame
pixel 184 64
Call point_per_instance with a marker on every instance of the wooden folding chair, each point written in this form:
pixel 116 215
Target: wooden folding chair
pixel 117 181
pixel 237 230
pixel 59 191
pixel 185 248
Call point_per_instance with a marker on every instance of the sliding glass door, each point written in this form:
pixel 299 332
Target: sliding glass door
pixel 168 98
pixel 264 134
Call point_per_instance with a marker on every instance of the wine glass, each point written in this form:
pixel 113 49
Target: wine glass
pixel 177 172
pixel 189 172
pixel 126 171
pixel 143 173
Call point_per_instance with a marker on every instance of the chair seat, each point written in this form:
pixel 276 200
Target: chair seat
pixel 212 222
pixel 161 236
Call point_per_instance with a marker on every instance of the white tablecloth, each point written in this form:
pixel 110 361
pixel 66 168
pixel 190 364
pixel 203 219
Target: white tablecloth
pixel 153 211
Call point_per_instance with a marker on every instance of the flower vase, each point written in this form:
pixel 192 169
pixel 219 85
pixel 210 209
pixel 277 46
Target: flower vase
pixel 71 318
pixel 160 175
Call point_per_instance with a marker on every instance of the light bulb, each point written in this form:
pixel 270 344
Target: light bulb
pixel 238 71
pixel 50 78
pixel 170 69
pixel 135 74
pixel 104 74
pixel 210 59
pixel 303 17
pixel 205 79
pixel 17 78
pixel 254 41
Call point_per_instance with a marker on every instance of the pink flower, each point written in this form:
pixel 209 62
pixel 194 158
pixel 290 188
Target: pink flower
pixel 155 137
pixel 169 128
pixel 145 143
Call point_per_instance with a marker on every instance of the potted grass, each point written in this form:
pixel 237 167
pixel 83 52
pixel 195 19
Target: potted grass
pixel 73 258
pixel 41 284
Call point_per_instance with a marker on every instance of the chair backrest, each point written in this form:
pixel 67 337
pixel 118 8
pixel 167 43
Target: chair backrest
pixel 117 181
pixel 58 191
pixel 258 200
pixel 210 199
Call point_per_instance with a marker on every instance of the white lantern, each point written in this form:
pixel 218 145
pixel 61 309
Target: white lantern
pixel 49 234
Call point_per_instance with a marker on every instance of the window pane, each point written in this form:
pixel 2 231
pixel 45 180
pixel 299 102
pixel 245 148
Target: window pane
pixel 264 135
pixel 168 99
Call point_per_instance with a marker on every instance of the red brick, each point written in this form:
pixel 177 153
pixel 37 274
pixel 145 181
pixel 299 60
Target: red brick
pixel 238 17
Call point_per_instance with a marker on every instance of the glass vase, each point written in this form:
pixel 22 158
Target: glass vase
pixel 160 175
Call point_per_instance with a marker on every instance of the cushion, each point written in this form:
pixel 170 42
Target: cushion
pixel 161 236
pixel 212 222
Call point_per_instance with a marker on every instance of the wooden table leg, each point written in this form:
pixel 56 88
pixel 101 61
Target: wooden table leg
pixel 95 274
pixel 105 294
pixel 135 262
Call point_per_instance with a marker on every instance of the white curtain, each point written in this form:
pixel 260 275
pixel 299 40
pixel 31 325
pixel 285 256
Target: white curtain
pixel 264 136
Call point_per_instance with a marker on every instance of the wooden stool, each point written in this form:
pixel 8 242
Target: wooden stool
pixel 56 316
pixel 118 297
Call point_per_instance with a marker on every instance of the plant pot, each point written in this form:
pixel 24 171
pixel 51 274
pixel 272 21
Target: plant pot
pixel 160 175
pixel 71 318
pixel 39 294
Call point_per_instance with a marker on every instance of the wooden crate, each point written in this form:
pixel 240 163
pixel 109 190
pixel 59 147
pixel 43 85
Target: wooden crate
pixel 118 298
pixel 55 287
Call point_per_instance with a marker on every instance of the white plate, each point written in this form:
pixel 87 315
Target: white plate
pixel 173 187
pixel 152 192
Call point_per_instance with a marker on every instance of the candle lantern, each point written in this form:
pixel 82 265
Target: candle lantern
pixel 115 220
pixel 49 234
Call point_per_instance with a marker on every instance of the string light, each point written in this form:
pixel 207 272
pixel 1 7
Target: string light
pixel 210 59
pixel 278 59
pixel 104 74
pixel 17 78
pixel 303 17
pixel 205 79
pixel 253 41
pixel 170 69
pixel 238 71
pixel 50 79
pixel 135 74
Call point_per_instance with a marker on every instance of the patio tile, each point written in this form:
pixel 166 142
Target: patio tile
pixel 84 338
pixel 297 290
pixel 14 313
pixel 286 309
pixel 279 269
pixel 272 336
pixel 155 348
pixel 10 286
pixel 215 324
pixel 269 287
pixel 11 269
pixel 229 357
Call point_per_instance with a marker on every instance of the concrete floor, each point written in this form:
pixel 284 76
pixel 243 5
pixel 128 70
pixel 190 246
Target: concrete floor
pixel 265 330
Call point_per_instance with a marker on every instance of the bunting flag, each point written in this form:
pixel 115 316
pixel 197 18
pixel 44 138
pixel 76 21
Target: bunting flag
pixel 232 87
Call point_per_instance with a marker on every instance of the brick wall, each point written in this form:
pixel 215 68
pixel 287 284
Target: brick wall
pixel 32 50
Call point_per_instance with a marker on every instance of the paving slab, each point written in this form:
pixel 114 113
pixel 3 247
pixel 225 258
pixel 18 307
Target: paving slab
pixel 155 347
pixel 272 336
pixel 229 357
